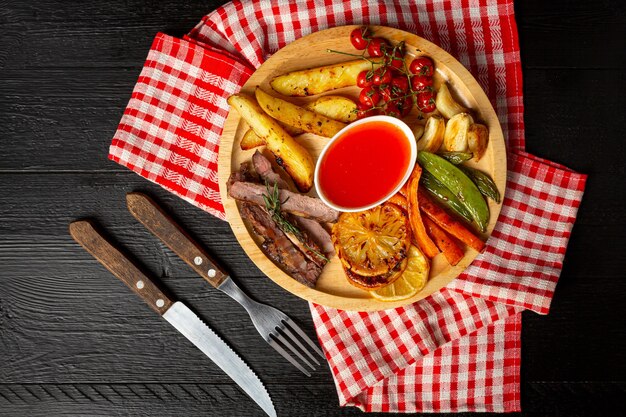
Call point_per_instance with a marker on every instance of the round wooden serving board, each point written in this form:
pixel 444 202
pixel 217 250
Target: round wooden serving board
pixel 333 289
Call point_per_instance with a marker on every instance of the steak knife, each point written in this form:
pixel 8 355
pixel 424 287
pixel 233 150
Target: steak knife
pixel 175 312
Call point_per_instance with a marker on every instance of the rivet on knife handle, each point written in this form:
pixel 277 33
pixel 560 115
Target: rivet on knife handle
pixel 165 228
pixel 89 238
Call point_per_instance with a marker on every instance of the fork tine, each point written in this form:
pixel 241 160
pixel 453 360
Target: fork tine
pixel 287 356
pixel 305 338
pixel 294 339
pixel 293 350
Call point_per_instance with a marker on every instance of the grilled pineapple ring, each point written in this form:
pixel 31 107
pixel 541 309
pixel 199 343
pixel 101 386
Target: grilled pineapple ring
pixel 372 242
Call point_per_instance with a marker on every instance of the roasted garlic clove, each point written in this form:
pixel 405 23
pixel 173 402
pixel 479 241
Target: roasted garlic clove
pixel 477 140
pixel 433 134
pixel 446 104
pixel 455 136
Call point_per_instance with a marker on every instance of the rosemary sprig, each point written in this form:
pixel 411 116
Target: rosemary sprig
pixel 272 204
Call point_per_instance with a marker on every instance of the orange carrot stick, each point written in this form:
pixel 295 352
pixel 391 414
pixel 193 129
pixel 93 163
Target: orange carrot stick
pixel 444 242
pixel 405 188
pixel 400 201
pixel 449 223
pixel 420 237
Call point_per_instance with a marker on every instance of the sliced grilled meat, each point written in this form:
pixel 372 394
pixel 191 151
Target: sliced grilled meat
pixel 246 173
pixel 317 233
pixel 279 248
pixel 307 245
pixel 298 204
pixel 264 168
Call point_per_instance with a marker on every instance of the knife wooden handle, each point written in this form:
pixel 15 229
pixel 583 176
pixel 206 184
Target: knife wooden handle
pixel 89 238
pixel 165 228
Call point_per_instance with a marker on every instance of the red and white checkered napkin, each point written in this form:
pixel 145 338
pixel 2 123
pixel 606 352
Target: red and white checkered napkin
pixel 457 350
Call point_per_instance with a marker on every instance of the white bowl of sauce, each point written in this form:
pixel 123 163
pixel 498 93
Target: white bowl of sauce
pixel 365 163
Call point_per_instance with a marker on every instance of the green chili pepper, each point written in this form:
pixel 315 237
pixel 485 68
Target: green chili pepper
pixel 444 196
pixel 456 157
pixel 485 184
pixel 459 183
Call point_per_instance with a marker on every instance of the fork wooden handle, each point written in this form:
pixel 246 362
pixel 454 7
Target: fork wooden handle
pixel 89 238
pixel 151 215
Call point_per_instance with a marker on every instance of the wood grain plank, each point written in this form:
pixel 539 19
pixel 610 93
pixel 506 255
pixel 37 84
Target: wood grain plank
pixel 154 399
pixel 588 398
pixel 560 35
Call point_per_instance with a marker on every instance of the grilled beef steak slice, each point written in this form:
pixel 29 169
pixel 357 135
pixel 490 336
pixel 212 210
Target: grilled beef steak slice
pixel 307 245
pixel 279 248
pixel 264 168
pixel 298 204
pixel 245 173
pixel 317 233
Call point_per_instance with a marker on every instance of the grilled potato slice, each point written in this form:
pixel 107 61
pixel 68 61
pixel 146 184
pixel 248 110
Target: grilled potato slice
pixel 318 80
pixel 296 116
pixel 446 104
pixel 292 156
pixel 433 134
pixel 337 108
pixel 477 140
pixel 455 136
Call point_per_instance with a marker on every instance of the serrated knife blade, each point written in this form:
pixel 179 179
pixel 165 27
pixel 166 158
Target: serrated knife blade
pixel 189 324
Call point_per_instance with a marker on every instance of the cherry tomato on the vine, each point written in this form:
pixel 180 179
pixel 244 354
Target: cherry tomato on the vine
pixel 362 111
pixel 405 106
pixel 422 66
pixel 377 47
pixel 357 38
pixel 362 80
pixel 392 110
pixel 386 94
pixel 400 83
pixel 396 59
pixel 426 101
pixel 421 82
pixel 382 76
pixel 369 96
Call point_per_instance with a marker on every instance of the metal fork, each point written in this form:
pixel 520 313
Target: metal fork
pixel 274 326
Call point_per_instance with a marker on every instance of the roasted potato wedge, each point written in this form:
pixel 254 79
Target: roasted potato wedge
pixel 337 108
pixel 477 140
pixel 334 107
pixel 432 138
pixel 292 156
pixel 455 136
pixel 296 116
pixel 319 80
pixel 251 140
pixel 446 104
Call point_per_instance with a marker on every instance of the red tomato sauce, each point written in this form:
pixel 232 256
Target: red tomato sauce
pixel 364 164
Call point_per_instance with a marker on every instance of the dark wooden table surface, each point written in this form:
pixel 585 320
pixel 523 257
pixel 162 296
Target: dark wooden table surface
pixel 75 341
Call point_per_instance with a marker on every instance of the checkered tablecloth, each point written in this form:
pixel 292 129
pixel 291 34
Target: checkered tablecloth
pixel 457 350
